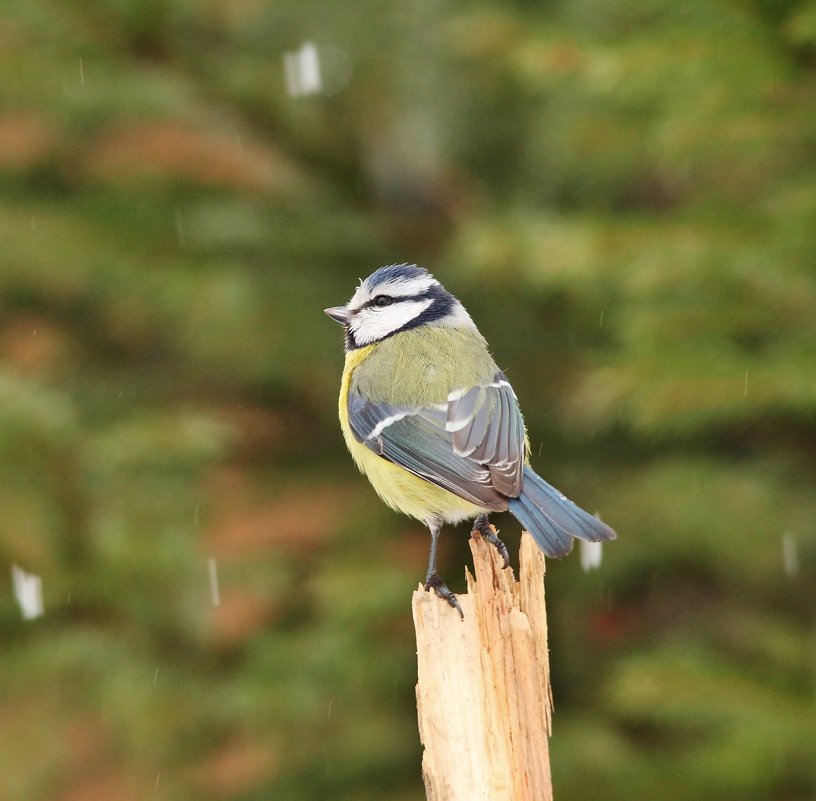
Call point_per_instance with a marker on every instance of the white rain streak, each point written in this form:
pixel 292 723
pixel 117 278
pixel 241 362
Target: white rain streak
pixel 215 593
pixel 28 592
pixel 302 69
pixel 790 554
pixel 591 555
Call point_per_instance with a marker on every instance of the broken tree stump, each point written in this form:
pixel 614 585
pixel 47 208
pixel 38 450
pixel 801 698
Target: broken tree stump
pixel 483 692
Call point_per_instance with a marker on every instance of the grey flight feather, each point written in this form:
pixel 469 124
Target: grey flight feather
pixel 472 445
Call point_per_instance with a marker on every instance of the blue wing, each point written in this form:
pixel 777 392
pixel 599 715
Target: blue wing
pixel 472 444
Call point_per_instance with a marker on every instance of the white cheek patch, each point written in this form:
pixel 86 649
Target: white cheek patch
pixel 373 323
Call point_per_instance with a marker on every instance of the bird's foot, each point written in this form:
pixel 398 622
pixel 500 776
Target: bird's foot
pixel 482 525
pixel 434 581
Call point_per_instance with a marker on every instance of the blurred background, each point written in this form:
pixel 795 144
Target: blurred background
pixel 623 194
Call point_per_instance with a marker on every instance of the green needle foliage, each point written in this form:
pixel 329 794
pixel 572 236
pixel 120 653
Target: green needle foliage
pixel 624 196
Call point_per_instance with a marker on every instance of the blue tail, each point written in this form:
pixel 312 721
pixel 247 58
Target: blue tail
pixel 553 519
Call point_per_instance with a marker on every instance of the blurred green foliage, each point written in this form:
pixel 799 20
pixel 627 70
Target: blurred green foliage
pixel 624 196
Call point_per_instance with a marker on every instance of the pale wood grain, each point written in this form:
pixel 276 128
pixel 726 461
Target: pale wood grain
pixel 483 692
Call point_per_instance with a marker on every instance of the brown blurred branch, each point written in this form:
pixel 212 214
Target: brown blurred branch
pixel 483 693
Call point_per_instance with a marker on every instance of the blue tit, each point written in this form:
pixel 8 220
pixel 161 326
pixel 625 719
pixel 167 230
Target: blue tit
pixel 435 425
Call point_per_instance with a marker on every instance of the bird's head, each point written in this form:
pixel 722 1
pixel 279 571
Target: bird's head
pixel 397 298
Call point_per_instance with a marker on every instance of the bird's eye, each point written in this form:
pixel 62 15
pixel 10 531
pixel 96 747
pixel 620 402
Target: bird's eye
pixel 382 300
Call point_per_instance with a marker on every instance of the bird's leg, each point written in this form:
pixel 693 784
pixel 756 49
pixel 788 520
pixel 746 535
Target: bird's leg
pixel 433 579
pixel 482 525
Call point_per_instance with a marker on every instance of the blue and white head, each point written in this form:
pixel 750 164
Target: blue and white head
pixel 397 298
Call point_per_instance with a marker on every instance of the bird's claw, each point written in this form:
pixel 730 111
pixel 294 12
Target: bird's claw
pixel 483 527
pixel 434 581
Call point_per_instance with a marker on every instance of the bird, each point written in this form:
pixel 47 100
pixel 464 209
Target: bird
pixel 435 425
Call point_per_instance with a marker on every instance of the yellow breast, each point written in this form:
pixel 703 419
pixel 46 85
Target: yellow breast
pixel 400 489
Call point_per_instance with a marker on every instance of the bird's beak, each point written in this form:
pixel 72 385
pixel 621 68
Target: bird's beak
pixel 339 313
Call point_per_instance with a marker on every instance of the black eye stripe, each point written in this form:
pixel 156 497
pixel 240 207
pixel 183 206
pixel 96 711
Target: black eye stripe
pixel 392 299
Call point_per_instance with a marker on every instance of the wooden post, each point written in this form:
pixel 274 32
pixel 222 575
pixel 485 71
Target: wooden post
pixel 483 690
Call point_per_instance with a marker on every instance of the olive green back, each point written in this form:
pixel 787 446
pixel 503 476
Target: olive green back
pixel 420 367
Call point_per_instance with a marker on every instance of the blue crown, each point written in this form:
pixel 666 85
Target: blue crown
pixel 392 272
